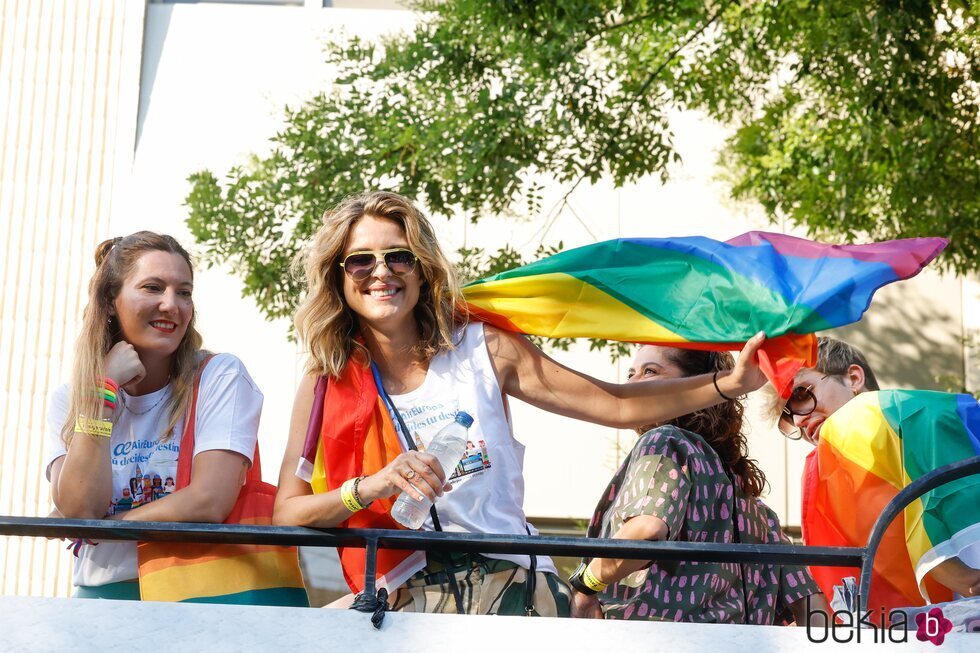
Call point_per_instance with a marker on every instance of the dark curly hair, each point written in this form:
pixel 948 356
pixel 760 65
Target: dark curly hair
pixel 721 424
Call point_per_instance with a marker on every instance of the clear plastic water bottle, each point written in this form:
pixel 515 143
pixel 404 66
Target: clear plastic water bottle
pixel 448 446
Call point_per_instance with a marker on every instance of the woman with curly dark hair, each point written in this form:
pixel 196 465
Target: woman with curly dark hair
pixel 690 479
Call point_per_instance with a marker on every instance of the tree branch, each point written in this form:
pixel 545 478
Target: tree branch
pixel 597 159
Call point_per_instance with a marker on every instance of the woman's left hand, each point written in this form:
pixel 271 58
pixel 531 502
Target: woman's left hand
pixel 747 377
pixel 585 606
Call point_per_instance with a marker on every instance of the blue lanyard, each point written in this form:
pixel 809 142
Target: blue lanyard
pixel 393 413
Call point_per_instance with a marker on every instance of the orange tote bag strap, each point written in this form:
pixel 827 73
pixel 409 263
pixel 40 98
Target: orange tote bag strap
pixel 185 459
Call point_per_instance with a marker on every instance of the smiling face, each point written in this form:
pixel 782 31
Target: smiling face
pixel 154 306
pixel 382 300
pixel 831 393
pixel 651 362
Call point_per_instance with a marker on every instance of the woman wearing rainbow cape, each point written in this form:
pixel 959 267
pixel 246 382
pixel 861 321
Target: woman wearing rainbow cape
pixel 868 445
pixel 385 323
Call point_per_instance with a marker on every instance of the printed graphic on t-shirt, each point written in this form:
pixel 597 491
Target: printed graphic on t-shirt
pixel 149 467
pixel 430 419
pixel 475 459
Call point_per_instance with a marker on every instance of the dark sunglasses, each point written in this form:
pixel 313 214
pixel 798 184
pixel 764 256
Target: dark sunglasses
pixel 801 402
pixel 360 265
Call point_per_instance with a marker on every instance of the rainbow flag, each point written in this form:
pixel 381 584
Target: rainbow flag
pixel 244 574
pixel 351 433
pixel 868 451
pixel 697 292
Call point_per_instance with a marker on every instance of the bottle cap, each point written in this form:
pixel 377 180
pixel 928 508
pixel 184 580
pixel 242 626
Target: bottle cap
pixel 464 418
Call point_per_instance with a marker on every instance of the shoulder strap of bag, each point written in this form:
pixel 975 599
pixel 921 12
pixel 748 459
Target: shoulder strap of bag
pixel 410 442
pixel 185 459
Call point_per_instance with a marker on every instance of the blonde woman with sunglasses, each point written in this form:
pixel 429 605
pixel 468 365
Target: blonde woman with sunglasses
pixel 383 308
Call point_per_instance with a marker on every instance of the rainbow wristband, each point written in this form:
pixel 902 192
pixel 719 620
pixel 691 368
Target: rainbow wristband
pixel 108 391
pixel 98 427
pixel 347 495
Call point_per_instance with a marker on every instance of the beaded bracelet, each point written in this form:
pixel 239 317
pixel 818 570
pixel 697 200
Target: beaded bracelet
pixel 98 427
pixel 357 494
pixel 347 495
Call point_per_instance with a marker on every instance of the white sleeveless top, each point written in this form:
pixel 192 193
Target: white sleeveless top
pixel 488 484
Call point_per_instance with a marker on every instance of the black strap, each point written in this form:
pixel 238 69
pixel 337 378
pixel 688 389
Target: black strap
pixel 410 443
pixel 532 579
pixel 376 605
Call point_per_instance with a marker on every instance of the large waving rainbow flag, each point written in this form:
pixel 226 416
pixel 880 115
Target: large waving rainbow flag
pixel 697 292
pixel 869 450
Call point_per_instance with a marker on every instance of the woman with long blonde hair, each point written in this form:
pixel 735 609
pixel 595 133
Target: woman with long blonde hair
pixel 393 358
pixel 115 431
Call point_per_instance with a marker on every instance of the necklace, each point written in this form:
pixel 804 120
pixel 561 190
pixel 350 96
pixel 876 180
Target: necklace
pixel 155 404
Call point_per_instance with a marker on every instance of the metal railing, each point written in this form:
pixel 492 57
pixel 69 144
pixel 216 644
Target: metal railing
pixel 372 540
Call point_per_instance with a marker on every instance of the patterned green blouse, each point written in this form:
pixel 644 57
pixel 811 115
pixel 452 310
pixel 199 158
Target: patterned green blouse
pixel 675 475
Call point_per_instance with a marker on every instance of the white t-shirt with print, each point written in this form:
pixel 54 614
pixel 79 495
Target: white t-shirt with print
pixel 488 482
pixel 144 468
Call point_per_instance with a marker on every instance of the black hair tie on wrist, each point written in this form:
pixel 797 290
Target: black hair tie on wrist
pixel 714 380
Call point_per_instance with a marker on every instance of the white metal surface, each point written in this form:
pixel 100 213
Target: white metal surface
pixel 36 624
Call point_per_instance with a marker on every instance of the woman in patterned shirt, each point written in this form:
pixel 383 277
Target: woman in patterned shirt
pixel 690 480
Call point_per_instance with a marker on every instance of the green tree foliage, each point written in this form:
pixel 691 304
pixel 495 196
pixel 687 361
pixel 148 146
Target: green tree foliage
pixel 853 119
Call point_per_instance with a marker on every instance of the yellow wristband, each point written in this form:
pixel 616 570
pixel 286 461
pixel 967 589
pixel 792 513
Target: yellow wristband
pixel 590 581
pixel 98 427
pixel 347 496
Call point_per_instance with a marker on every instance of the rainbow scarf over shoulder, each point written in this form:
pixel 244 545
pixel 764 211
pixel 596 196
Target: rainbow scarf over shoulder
pixel 351 433
pixel 696 292
pixel 869 450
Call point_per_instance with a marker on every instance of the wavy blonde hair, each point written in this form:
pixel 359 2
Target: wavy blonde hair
pixel 326 325
pixel 115 260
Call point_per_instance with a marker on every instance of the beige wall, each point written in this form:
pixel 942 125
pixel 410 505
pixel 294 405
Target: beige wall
pixel 69 78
